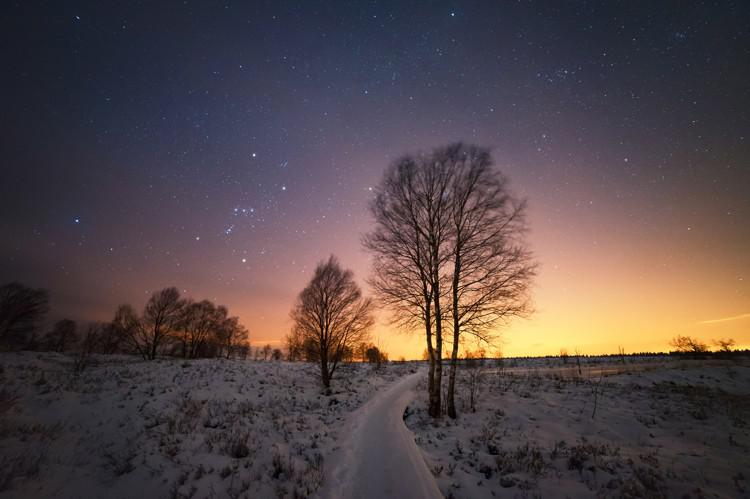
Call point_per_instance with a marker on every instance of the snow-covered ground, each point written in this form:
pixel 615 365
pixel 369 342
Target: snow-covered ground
pixel 377 457
pixel 171 428
pixel 659 428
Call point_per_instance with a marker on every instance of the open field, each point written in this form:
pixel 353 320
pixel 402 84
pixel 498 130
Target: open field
pixel 655 428
pixel 202 428
pixel 648 427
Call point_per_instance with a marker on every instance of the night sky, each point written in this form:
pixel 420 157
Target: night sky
pixel 227 148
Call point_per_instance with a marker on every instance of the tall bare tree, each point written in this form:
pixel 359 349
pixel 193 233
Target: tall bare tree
pixel 331 315
pixel 448 243
pixel 21 309
pixel 492 267
pixel 409 252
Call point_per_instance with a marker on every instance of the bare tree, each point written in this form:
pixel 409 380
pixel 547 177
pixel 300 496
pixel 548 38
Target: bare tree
pixel 687 344
pixel 21 309
pixel 127 325
pixel 724 346
pixel 88 345
pixel 409 252
pixel 449 243
pixel 564 355
pixel 492 267
pixel 232 335
pixel 161 318
pixel 111 339
pixel 331 315
pixel 62 336
pixel 277 354
pixel 267 349
pixel 198 321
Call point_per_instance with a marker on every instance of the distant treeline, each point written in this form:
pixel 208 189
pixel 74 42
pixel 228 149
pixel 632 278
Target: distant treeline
pixel 168 325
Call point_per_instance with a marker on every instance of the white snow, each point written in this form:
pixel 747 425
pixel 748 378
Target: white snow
pixel 218 428
pixel 378 457
pixel 668 429
pixel 171 428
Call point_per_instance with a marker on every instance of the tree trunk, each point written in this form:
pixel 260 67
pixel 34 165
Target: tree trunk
pixel 456 335
pixel 435 395
pixel 325 375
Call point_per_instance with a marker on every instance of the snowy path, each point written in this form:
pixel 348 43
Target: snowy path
pixel 377 456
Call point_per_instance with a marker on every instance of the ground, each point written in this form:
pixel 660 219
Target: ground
pixel 170 428
pixel 229 428
pixel 660 428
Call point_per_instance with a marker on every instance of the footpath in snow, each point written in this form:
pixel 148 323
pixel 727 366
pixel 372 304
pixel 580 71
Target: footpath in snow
pixel 377 456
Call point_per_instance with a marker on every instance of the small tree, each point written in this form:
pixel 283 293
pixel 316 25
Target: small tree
pixel 564 355
pixel 232 335
pixel 277 354
pixel 89 343
pixel 267 349
pixel 111 339
pixel 331 316
pixel 161 318
pixel 686 344
pixel 724 346
pixel 198 320
pixel 475 374
pixel 62 337
pixel 21 309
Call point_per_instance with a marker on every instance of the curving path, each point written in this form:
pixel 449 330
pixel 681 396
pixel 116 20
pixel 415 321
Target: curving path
pixel 377 457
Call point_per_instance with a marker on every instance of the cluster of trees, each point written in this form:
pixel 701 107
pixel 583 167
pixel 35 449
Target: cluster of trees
pixel 168 324
pixel 450 253
pixel 690 345
pixel 181 327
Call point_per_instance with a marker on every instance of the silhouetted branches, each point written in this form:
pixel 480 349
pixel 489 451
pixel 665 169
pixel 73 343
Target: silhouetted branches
pixel 21 309
pixel 330 317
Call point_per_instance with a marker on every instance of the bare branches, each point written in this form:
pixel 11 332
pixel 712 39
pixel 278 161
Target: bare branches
pixel 449 243
pixel 330 317
pixel 21 309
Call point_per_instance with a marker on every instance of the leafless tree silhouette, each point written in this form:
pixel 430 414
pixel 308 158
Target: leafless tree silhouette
pixel 331 316
pixel 233 336
pixel 198 322
pixel 687 344
pixel 21 309
pixel 492 266
pixel 62 336
pixel 161 318
pixel 409 252
pixel 449 243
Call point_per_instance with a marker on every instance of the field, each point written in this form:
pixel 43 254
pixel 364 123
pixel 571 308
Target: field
pixel 202 428
pixel 659 428
pixel 651 427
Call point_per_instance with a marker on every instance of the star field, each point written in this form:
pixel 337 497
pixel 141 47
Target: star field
pixel 227 148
